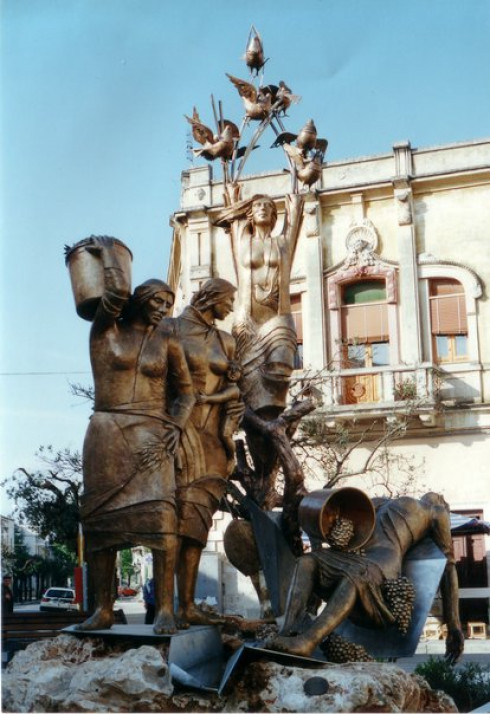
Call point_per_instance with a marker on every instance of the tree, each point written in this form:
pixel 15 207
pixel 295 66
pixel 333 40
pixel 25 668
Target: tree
pixel 32 573
pixel 335 453
pixel 127 567
pixel 302 442
pixel 49 500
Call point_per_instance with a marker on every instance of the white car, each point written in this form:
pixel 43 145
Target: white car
pixel 58 599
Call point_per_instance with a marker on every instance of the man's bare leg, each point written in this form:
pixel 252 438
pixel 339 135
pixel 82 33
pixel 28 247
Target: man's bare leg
pixel 337 609
pixel 102 566
pixel 164 564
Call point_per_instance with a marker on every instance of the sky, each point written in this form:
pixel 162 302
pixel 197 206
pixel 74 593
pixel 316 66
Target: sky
pixel 92 99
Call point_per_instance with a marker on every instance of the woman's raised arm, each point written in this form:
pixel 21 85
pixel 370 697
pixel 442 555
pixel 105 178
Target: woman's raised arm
pixel 116 289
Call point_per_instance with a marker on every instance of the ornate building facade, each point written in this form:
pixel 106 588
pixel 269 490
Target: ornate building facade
pixel 389 294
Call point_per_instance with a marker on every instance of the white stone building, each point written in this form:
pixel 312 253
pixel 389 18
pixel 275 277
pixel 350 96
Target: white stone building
pixel 389 287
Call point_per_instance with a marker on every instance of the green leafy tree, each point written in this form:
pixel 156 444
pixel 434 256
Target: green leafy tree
pixel 127 567
pixel 48 500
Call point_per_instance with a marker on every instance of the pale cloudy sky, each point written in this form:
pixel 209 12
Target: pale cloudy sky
pixel 93 94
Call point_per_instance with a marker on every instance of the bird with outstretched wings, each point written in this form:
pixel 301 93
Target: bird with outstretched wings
pixel 308 168
pixel 257 102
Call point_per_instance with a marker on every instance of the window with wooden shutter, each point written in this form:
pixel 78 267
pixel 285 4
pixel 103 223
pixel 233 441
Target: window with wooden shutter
pixel 296 311
pixel 449 325
pixel 364 324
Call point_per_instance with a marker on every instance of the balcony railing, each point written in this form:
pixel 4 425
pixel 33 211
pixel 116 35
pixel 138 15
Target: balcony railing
pixel 371 391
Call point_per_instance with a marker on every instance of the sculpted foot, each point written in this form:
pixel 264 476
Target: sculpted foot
pixel 102 619
pixel 181 621
pixel 193 616
pixel 294 645
pixel 164 623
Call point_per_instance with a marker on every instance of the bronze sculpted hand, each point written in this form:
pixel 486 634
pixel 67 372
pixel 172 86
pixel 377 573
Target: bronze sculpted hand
pixel 454 645
pixel 99 243
pixel 171 440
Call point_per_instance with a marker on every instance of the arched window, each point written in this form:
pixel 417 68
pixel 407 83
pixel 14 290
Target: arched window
pixel 448 320
pixel 364 324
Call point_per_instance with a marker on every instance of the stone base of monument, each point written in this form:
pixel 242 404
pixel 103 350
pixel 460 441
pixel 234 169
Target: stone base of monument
pixel 195 656
pixel 95 674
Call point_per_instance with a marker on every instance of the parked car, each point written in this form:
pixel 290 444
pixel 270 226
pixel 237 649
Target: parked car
pixel 124 591
pixel 58 599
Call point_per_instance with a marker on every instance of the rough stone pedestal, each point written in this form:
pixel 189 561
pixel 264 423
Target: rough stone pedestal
pixel 68 674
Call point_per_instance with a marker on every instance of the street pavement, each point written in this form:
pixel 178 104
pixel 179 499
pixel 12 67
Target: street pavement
pixel 475 650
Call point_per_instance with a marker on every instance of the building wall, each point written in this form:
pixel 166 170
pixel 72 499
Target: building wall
pixel 427 214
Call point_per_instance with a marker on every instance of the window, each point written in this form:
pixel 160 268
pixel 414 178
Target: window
pixel 298 323
pixel 448 320
pixel 364 324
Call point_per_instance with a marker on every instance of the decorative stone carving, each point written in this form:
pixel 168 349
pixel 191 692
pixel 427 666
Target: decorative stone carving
pixel 361 261
pixel 312 225
pixel 361 243
pixel 404 206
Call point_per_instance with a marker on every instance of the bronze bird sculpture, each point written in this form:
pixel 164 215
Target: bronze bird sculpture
pixel 221 146
pixel 257 102
pixel 200 131
pixel 306 140
pixel 281 97
pixel 306 158
pixel 309 168
pixel 214 145
pixel 254 54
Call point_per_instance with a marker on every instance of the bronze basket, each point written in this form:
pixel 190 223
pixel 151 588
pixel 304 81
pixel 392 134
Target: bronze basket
pixel 319 509
pixel 87 274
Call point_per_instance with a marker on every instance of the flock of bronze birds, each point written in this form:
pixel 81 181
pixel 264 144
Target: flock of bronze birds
pixel 268 105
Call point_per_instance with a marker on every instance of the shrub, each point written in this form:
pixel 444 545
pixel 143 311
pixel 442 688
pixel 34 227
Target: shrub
pixel 467 684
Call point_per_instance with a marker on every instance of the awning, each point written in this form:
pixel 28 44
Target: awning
pixel 461 525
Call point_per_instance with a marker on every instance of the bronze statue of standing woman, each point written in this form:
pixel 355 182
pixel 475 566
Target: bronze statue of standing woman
pixel 128 454
pixel 263 324
pixel 205 454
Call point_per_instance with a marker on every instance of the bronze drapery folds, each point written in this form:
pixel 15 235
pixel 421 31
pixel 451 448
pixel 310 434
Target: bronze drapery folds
pixel 128 454
pixel 206 454
pixel 263 324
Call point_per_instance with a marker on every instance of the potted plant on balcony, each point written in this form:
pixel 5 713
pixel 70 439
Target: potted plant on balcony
pixel 405 390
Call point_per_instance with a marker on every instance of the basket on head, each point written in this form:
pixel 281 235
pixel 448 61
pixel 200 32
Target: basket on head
pixel 87 274
pixel 319 509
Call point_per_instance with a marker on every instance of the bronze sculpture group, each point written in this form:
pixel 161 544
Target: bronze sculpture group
pixel 171 392
pixel 354 584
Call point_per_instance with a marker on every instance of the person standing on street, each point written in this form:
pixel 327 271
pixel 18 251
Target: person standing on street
pixel 7 595
pixel 149 600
